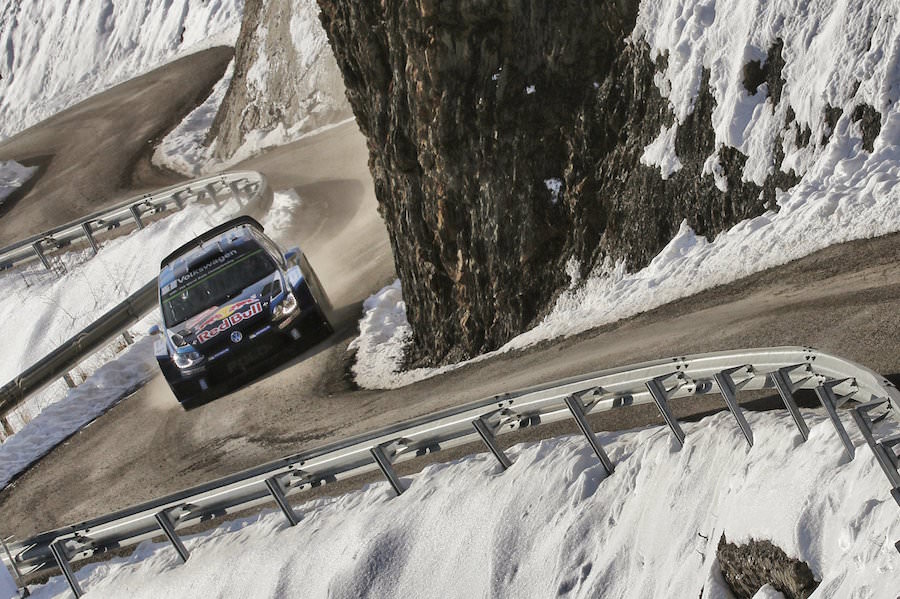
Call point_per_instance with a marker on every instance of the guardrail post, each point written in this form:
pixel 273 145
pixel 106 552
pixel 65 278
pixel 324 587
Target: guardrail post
pixel 384 463
pixel 658 392
pixel 86 227
pixel 168 527
pixel 136 213
pixel 487 436
pixel 729 393
pixel 129 338
pixel 15 568
pixel 576 407
pixel 70 382
pixel 831 403
pixel 7 427
pixel 211 188
pixel 58 549
pixel 782 380
pixel 39 251
pixel 273 484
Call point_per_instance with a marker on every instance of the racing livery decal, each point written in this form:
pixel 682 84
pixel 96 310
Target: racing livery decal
pixel 231 319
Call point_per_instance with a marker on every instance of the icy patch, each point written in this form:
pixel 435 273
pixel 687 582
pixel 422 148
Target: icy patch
pixel 554 524
pixel 13 176
pixel 184 149
pixel 661 152
pixel 713 167
pixel 554 186
pixel 110 383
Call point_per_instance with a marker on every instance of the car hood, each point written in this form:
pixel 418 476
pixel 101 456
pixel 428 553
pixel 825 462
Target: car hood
pixel 249 307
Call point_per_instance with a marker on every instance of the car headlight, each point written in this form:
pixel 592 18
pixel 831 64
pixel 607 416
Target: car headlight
pixel 287 306
pixel 187 359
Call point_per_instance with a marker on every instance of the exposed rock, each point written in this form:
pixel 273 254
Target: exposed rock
pixel 870 122
pixel 747 568
pixel 832 115
pixel 285 75
pixel 756 73
pixel 475 110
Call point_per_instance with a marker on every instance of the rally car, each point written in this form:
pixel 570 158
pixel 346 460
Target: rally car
pixel 231 301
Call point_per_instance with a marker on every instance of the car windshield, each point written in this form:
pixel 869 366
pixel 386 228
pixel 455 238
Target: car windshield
pixel 216 287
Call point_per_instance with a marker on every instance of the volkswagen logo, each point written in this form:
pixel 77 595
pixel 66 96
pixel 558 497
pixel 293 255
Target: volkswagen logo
pixel 236 337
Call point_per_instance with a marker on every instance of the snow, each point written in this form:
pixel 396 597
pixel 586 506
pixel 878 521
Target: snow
pixel 554 186
pixel 554 524
pixel 8 588
pixel 81 405
pixel 184 149
pixel 13 176
pixel 846 193
pixel 57 54
pixel 661 152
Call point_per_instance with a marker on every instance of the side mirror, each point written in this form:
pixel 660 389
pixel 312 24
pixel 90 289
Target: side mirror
pixel 154 330
pixel 291 254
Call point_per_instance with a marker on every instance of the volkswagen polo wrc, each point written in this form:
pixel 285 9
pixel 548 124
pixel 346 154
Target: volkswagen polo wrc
pixel 231 301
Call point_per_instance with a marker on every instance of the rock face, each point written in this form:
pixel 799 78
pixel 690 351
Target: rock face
pixel 746 568
pixel 508 137
pixel 285 76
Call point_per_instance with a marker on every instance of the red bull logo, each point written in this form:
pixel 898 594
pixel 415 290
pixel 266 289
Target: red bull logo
pixel 226 311
pixel 230 317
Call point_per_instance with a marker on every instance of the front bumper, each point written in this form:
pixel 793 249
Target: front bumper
pixel 260 349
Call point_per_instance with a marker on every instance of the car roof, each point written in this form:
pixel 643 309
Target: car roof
pixel 211 235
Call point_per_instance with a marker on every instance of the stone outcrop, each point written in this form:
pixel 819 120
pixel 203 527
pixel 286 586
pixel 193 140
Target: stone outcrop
pixel 506 138
pixel 747 567
pixel 284 76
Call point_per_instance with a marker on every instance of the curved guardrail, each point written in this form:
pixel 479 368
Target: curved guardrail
pixel 785 370
pixel 91 228
pixel 249 188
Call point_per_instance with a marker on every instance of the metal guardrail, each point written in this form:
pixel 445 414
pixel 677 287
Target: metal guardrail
pixel 71 352
pixel 247 187
pixel 94 226
pixel 784 370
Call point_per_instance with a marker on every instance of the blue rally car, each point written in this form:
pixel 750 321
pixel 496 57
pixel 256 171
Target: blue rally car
pixel 231 301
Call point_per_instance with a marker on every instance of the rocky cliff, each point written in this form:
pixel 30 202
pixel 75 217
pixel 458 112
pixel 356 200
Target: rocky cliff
pixel 285 80
pixel 508 138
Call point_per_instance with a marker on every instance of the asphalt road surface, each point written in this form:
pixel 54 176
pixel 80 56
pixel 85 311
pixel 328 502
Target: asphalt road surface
pixel 842 300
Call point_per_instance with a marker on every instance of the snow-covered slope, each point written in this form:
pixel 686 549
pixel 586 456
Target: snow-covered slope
pixel 55 54
pixel 555 525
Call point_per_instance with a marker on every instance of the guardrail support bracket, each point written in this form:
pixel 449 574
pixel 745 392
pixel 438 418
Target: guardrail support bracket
pixel 782 380
pixel 490 440
pixel 659 394
pixel 830 402
pixel 729 393
pixel 86 227
pixel 58 549
pixel 168 527
pixel 277 492
pixel 136 213
pixel 384 463
pixel 577 409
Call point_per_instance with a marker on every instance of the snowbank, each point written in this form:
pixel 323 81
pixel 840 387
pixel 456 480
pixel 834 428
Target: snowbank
pixel 81 405
pixel 57 54
pixel 554 524
pixel 13 176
